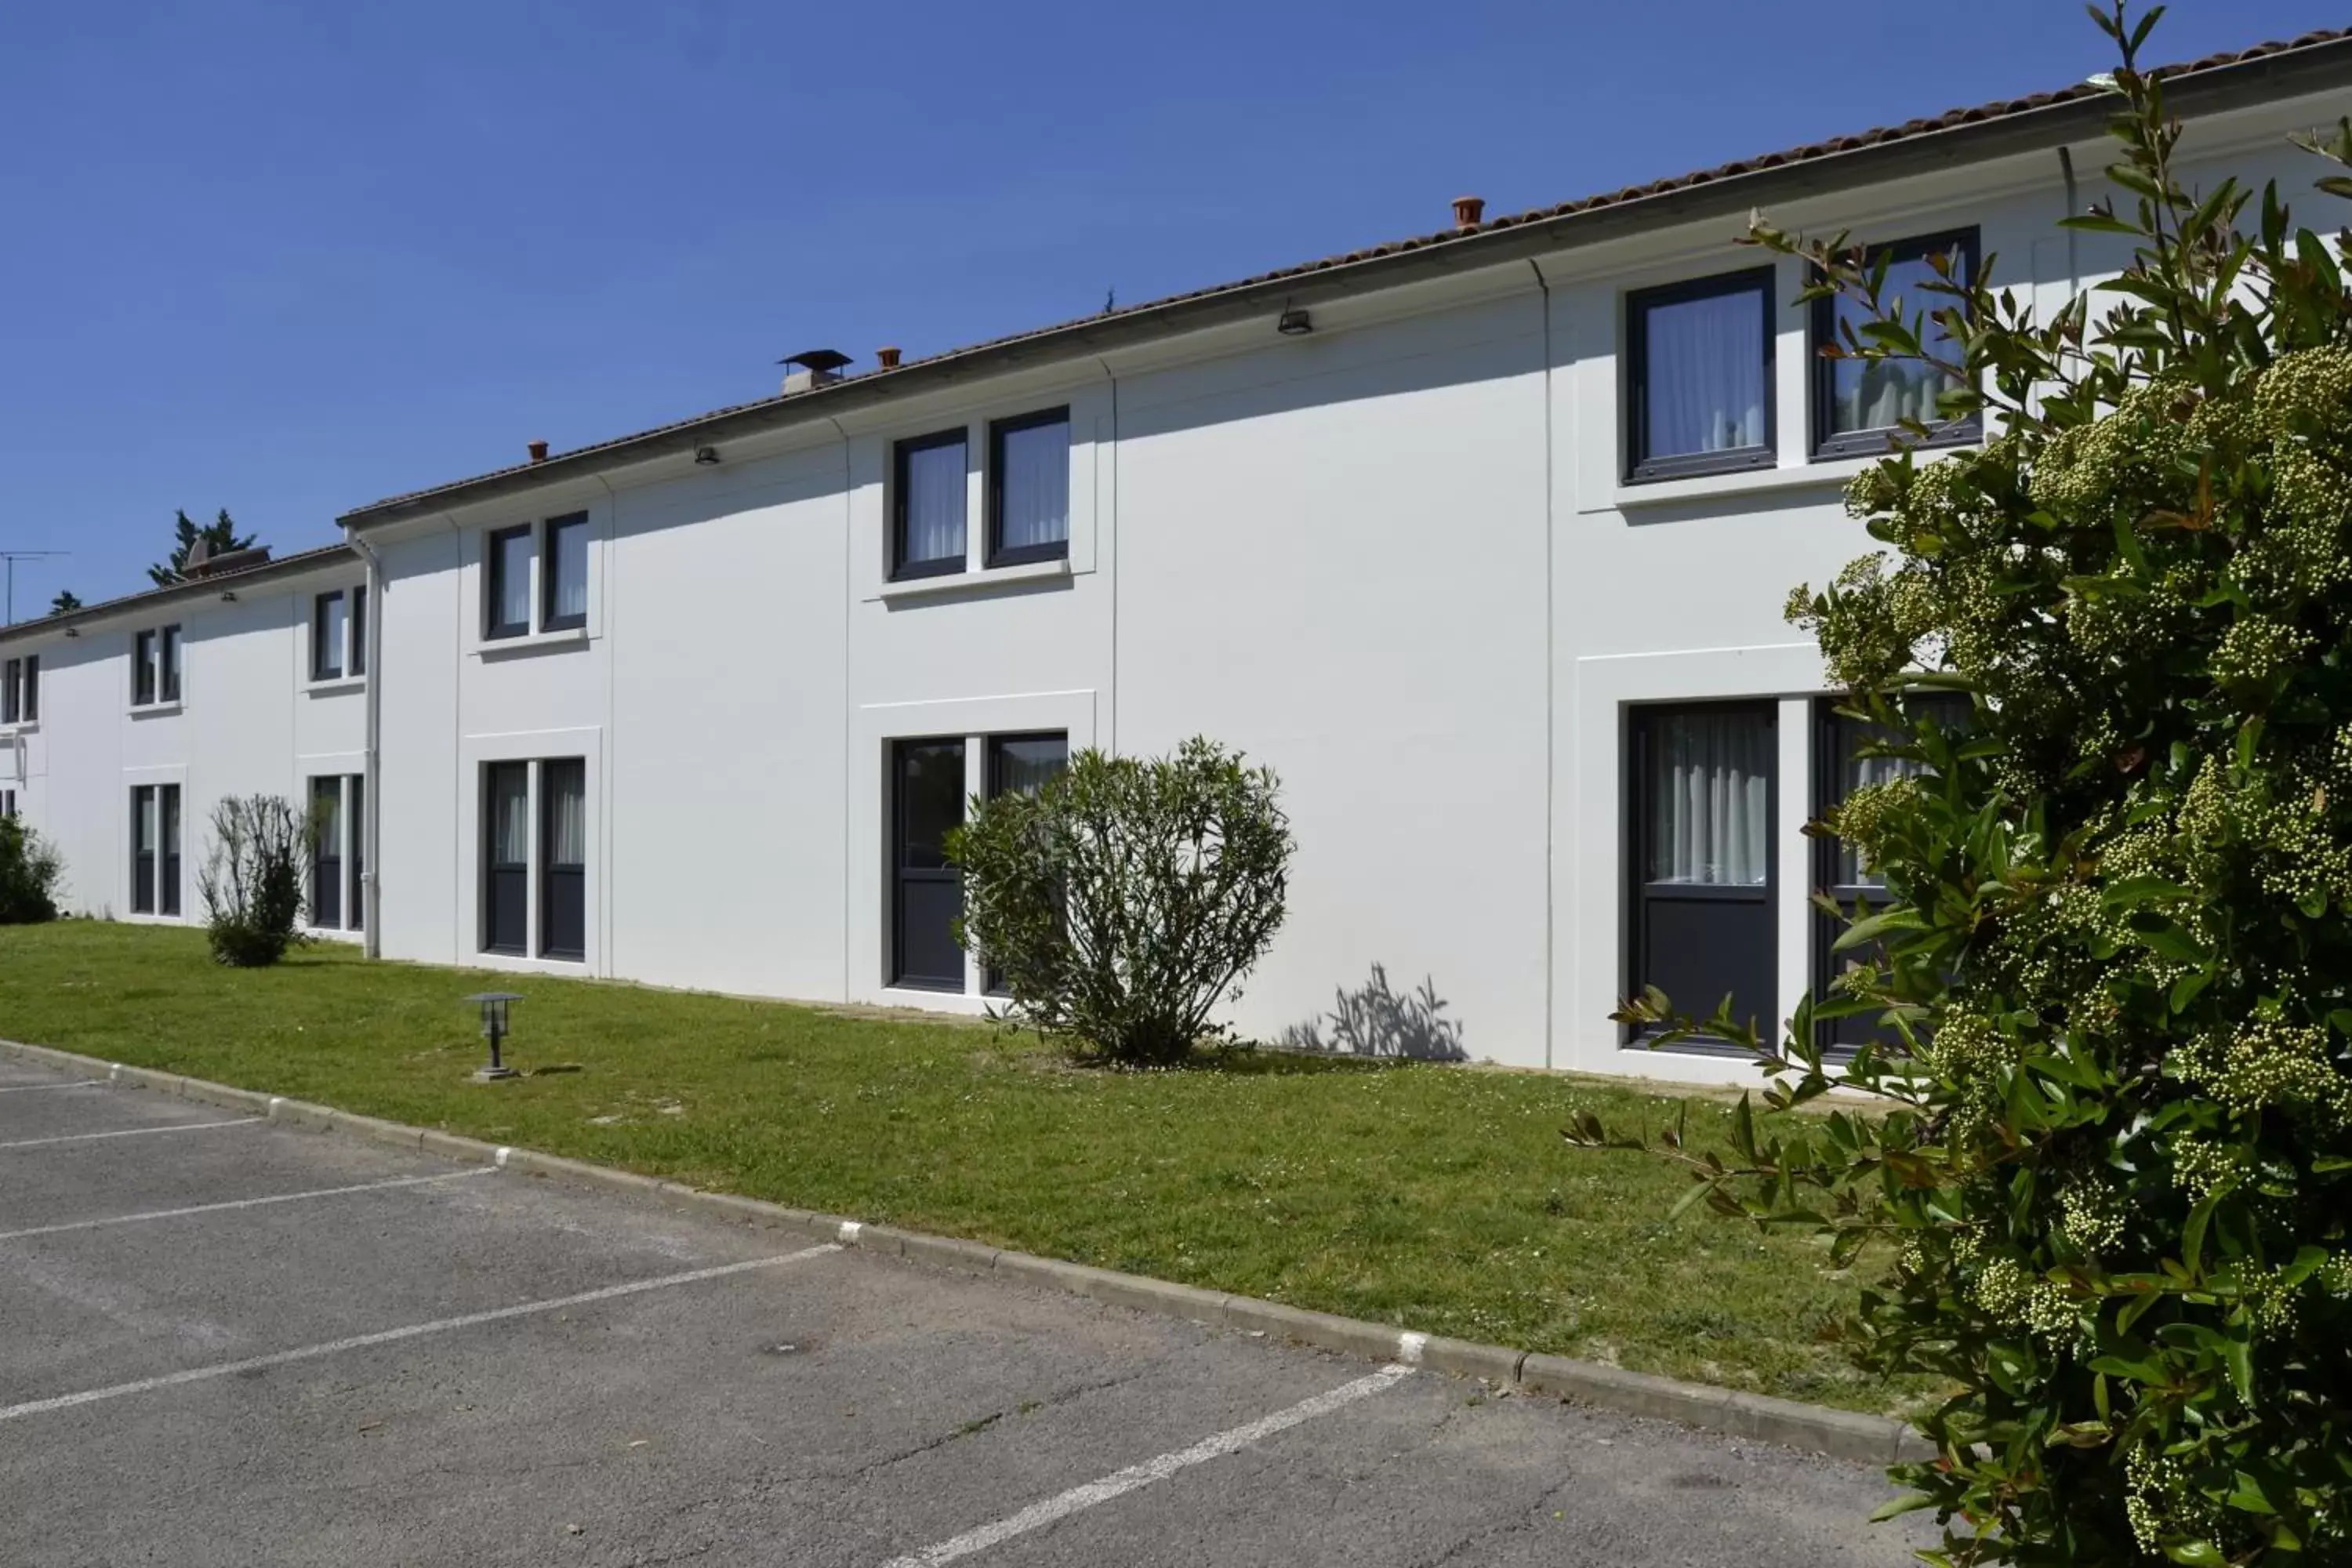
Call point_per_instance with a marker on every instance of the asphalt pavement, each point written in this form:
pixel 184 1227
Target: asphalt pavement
pixel 226 1341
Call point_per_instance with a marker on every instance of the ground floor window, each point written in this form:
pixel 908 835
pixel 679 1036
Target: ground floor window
pixel 1701 857
pixel 929 787
pixel 7 803
pixel 1842 763
pixel 155 849
pixel 338 858
pixel 535 858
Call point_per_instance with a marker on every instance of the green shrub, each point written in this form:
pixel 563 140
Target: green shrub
pixel 253 878
pixel 30 872
pixel 2113 1175
pixel 1123 900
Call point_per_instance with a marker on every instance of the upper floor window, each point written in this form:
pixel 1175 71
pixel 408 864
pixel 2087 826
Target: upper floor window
pixel 20 690
pixel 509 557
pixel 928 527
pixel 1699 377
pixel 155 666
pixel 338 633
pixel 1029 487
pixel 564 572
pixel 1861 406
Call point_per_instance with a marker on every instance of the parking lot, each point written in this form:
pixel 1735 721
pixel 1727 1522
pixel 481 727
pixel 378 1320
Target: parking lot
pixel 223 1341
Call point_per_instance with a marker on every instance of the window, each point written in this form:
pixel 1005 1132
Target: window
pixel 143 669
pixel 1699 377
pixel 7 803
pixel 1859 407
pixel 1842 765
pixel 565 574
pixel 509 602
pixel 1701 789
pixel 358 660
pixel 926 801
pixel 20 687
pixel 927 533
pixel 535 858
pixel 338 815
pixel 1023 763
pixel 506 856
pixel 168 664
pixel 155 849
pixel 1029 489
pixel 330 636
pixel 327 853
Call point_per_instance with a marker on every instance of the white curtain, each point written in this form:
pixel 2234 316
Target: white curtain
pixel 327 658
pixel 571 569
pixel 1876 395
pixel 1702 374
pixel 935 502
pixel 327 797
pixel 1711 779
pixel 510 815
pixel 566 783
pixel 1034 485
pixel 514 581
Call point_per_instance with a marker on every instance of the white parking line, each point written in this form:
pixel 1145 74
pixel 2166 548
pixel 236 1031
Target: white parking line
pixel 239 1204
pixel 32 1087
pixel 392 1336
pixel 1036 1516
pixel 129 1133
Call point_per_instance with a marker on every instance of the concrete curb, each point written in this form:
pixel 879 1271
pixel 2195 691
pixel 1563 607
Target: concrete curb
pixel 1840 1433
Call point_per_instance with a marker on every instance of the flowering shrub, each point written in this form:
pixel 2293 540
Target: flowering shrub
pixel 2113 1173
pixel 1122 901
pixel 30 870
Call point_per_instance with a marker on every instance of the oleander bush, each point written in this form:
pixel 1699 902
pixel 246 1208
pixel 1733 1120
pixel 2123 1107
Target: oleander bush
pixel 2107 1188
pixel 1124 901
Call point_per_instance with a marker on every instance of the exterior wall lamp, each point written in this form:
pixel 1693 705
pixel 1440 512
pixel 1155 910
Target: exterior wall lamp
pixel 1295 323
pixel 706 456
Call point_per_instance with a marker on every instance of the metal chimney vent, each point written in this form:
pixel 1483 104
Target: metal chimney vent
pixel 812 368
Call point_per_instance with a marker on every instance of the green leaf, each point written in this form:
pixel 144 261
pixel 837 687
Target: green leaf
pixel 1900 1504
pixel 2196 1553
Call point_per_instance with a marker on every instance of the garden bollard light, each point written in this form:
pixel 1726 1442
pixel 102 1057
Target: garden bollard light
pixel 494 1030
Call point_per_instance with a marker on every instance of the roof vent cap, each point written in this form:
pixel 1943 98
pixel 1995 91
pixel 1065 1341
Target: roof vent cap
pixel 1468 211
pixel 812 368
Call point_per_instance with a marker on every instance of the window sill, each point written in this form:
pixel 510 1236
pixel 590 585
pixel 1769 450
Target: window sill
pixel 922 999
pixel 333 933
pixel 528 642
pixel 20 727
pixel 335 685
pixel 970 582
pixel 516 963
pixel 1816 474
pixel 136 919
pixel 153 710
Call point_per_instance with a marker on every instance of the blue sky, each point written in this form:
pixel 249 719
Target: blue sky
pixel 288 258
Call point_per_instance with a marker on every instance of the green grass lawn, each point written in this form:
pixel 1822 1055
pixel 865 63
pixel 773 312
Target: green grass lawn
pixel 1437 1198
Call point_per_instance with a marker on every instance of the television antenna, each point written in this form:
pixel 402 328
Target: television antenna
pixel 12 557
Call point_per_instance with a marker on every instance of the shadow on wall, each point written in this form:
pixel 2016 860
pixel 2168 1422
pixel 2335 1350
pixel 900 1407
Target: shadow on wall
pixel 1374 1021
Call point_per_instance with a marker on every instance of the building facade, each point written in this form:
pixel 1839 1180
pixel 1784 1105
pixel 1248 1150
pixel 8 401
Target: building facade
pixel 1481 541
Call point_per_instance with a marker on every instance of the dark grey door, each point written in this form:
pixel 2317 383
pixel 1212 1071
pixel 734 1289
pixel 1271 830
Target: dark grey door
pixel 926 893
pixel 563 854
pixel 1702 860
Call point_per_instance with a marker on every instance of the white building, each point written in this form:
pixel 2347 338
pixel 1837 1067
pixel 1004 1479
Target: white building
pixel 1480 540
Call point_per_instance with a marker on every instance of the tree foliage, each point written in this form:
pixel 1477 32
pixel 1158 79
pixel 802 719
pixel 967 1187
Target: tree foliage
pixel 30 870
pixel 2112 1172
pixel 219 537
pixel 253 878
pixel 1125 899
pixel 66 600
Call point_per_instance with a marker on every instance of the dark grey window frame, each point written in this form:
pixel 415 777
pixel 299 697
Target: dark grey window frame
pixel 900 980
pixel 320 653
pixel 1024 554
pixel 143 669
pixel 355 826
pixel 327 858
pixel 12 676
pixel 357 621
pixel 902 569
pixel 168 647
pixel 31 698
pixel 1632 777
pixel 1640 469
pixel 994 766
pixel 552 873
pixel 494 582
pixel 549 558
pixel 155 864
pixel 494 869
pixel 1821 380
